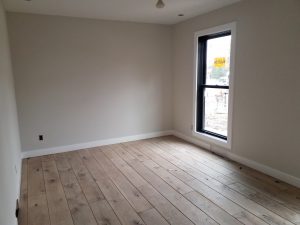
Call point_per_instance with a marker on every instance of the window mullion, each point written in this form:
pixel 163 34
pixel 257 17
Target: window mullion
pixel 215 86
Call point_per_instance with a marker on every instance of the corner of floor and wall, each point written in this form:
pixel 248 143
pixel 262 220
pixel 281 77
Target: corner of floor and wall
pixel 149 92
pixel 10 158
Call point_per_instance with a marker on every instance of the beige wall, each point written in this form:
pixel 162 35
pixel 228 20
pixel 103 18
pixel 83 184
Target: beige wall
pixel 267 76
pixel 9 134
pixel 81 80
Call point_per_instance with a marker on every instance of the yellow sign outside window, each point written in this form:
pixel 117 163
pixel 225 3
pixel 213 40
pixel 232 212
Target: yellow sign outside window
pixel 219 62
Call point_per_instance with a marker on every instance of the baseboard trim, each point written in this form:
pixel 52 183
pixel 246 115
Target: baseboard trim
pixel 295 181
pixel 74 147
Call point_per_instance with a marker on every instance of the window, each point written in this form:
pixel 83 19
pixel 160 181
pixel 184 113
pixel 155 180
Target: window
pixel 214 84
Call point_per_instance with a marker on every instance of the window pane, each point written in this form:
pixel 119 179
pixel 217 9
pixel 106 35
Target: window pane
pixel 216 110
pixel 218 61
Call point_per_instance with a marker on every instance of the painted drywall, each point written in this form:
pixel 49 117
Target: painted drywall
pixel 85 80
pixel 266 93
pixel 9 134
pixel 81 80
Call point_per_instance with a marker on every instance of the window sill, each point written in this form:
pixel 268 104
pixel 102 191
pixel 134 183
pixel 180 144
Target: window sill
pixel 213 140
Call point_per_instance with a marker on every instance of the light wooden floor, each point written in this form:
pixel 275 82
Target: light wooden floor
pixel 158 181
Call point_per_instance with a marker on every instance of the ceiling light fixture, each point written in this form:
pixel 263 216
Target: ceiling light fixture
pixel 160 4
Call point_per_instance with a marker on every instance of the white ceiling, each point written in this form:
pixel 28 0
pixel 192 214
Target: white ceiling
pixel 123 10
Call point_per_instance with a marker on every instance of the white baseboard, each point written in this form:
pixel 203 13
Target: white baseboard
pixel 68 148
pixel 295 181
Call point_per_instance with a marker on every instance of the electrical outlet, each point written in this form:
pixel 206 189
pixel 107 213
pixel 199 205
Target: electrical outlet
pixel 41 137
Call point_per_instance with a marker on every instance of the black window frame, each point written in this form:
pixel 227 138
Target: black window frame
pixel 201 82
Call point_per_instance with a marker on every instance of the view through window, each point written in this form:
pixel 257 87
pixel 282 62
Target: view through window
pixel 213 84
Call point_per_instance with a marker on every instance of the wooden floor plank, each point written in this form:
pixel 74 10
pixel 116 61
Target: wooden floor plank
pixel 270 191
pixel 167 210
pixel 207 206
pixel 88 185
pixel 151 216
pixel 268 203
pixel 126 214
pixel 292 193
pixel 217 213
pixel 157 181
pixel 36 184
pixel 57 203
pixel 104 213
pixel 23 218
pixel 134 197
pixel 199 162
pixel 127 217
pixel 255 180
pixel 229 206
pixel 291 190
pixel 275 189
pixel 38 212
pixel 105 184
pixel 257 197
pixel 143 150
pixel 261 212
pixel 185 206
pixel 213 161
pixel 172 180
pixel 80 210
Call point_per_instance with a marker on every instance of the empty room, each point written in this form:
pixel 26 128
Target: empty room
pixel 149 112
